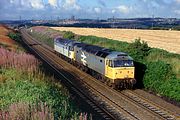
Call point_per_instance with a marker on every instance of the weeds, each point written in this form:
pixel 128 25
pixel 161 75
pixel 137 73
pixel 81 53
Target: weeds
pixel 20 61
pixel 25 111
pixel 27 93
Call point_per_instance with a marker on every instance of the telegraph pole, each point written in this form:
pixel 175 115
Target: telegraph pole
pixel 153 21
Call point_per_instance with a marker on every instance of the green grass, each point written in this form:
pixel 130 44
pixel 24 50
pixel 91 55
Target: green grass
pixel 169 58
pixel 20 87
pixel 158 69
pixel 26 89
pixel 44 38
pixel 16 37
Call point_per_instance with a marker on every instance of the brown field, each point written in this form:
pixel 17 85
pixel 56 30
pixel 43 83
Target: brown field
pixel 4 39
pixel 164 39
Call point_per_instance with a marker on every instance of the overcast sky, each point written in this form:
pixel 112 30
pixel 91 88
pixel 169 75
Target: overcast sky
pixel 52 9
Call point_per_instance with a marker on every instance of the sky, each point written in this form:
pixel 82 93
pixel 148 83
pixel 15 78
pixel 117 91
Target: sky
pixel 93 9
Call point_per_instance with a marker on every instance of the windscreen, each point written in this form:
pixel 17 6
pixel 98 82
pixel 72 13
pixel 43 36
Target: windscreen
pixel 71 48
pixel 123 63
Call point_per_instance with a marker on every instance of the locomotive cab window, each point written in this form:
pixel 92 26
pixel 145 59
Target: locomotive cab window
pixel 123 63
pixel 106 62
pixel 110 63
pixel 71 48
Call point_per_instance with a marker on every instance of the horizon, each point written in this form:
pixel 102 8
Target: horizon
pixel 84 9
pixel 88 19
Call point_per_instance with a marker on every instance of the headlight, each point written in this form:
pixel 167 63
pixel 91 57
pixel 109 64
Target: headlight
pixel 126 76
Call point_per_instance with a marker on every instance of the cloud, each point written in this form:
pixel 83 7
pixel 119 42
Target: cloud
pixel 71 4
pixel 177 12
pixel 97 10
pixel 37 4
pixel 25 4
pixel 178 1
pixel 113 11
pixel 35 9
pixel 124 9
pixel 53 3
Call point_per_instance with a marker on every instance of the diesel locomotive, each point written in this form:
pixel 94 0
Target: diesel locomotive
pixel 114 68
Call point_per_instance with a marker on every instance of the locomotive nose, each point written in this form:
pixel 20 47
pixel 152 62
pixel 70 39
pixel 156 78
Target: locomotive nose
pixel 124 73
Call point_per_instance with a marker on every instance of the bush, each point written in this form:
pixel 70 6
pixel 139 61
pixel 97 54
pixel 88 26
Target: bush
pixel 138 50
pixel 169 58
pixel 15 36
pixel 69 35
pixel 156 73
pixel 104 42
pixel 160 78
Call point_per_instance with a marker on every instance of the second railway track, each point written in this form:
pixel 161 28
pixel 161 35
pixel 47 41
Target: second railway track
pixel 112 104
pixel 153 107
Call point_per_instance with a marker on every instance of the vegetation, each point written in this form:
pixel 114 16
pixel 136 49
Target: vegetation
pixel 157 69
pixel 26 93
pixel 15 36
pixel 160 78
pixel 45 34
pixel 44 38
pixel 138 50
pixel 32 89
pixel 164 39
pixel 170 27
pixel 24 111
pixel 68 35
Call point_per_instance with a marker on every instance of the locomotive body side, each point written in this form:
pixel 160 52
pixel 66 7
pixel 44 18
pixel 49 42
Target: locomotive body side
pixel 65 47
pixel 89 60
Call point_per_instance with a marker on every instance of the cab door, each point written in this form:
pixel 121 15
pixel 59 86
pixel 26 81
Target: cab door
pixel 106 67
pixel 109 69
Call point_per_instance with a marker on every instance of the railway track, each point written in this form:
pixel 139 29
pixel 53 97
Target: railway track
pixel 153 107
pixel 37 48
pixel 108 102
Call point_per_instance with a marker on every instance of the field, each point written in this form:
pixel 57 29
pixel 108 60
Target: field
pixel 167 40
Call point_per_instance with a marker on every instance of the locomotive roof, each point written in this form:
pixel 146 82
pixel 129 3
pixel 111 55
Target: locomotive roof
pixel 96 50
pixel 65 41
pixel 119 55
pixel 62 41
pixel 104 52
pixel 99 51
